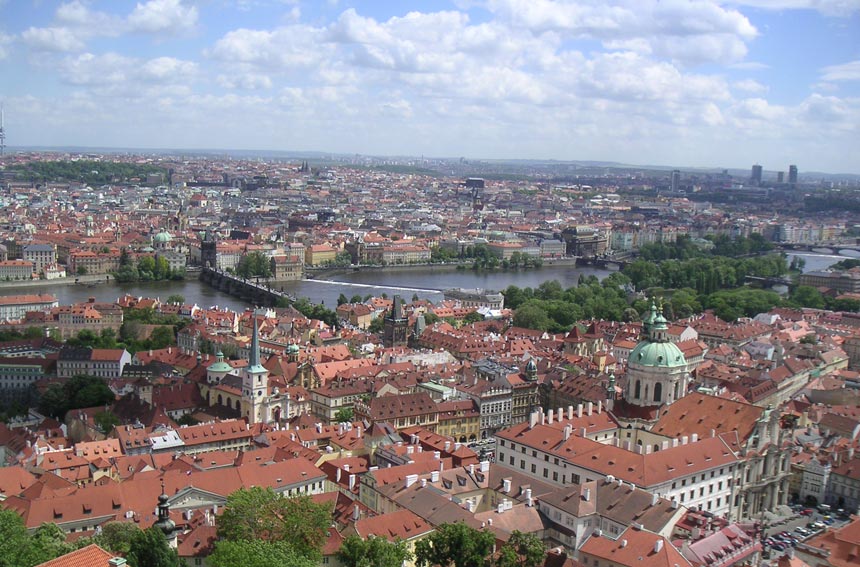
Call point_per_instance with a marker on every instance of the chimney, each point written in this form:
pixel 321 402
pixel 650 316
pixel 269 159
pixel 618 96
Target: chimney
pixel 658 546
pixel 337 475
pixel 358 432
pixel 437 455
pixel 411 479
pixel 674 504
pixel 570 413
pixel 664 445
pixel 506 485
pixel 623 543
pixel 599 406
pixel 447 446
pixel 590 408
pixel 549 417
pixel 654 498
pixel 352 482
pixel 713 433
pixel 117 562
pixel 559 415
pixel 346 467
pixel 434 476
pixel 485 466
pixel 356 513
pixel 409 449
pixel 586 494
pixel 684 440
pixel 423 482
pixel 529 500
pixel 533 419
pixel 472 469
pixel 694 437
pixel 500 508
pixel 582 431
pixel 567 429
pixel 578 410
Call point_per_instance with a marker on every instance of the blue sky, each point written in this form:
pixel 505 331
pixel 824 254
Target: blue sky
pixel 674 82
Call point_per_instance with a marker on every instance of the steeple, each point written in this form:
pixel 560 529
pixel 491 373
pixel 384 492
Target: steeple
pixel 254 359
pixel 164 523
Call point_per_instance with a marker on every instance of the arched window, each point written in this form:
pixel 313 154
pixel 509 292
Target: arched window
pixel 638 392
pixel 658 392
pixel 220 400
pixel 677 385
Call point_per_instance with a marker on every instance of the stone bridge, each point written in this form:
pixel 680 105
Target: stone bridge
pixel 255 291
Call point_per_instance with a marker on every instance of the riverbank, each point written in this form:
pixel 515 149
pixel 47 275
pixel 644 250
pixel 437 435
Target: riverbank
pixel 329 274
pixel 92 280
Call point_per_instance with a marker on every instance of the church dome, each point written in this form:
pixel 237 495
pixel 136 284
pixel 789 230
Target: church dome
pixel 657 354
pixel 163 237
pixel 221 365
pixel 531 365
pixel 293 349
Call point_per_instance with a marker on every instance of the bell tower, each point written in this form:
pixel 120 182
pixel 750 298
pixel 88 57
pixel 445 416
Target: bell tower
pixel 255 381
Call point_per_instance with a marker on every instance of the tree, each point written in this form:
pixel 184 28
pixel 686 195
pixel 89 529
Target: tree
pixel 162 337
pixel 373 552
pixel 149 548
pixel 106 421
pixel 808 296
pixel 257 553
pixel 81 391
pixel 473 317
pixel 356 299
pixel 116 537
pixel 47 542
pixel 341 299
pixel 527 551
pixel 14 543
pixel 175 299
pixel 344 415
pixel 531 316
pixel 455 545
pixel 261 513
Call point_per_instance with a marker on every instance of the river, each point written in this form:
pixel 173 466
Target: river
pixel 427 284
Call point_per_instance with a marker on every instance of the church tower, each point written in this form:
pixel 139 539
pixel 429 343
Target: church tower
pixel 656 368
pixel 164 523
pixel 395 329
pixel 255 382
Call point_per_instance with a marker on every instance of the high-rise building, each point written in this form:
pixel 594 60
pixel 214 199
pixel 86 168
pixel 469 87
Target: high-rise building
pixel 792 174
pixel 780 177
pixel 676 180
pixel 755 178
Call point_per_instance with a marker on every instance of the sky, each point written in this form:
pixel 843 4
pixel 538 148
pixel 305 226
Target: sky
pixel 689 83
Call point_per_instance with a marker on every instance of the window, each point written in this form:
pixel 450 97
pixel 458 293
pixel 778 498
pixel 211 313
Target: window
pixel 534 468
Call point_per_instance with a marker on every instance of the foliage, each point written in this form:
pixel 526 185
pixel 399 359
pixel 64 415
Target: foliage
pixel 175 299
pixel 257 553
pixel 90 172
pixel 684 248
pixel 149 548
pixel 20 549
pixel 254 264
pixel 377 325
pixel 316 311
pixel 261 513
pixel 81 391
pixel 373 552
pixel 846 264
pixel 148 268
pixel 455 545
pixel 705 275
pixel 344 415
pixel 807 296
pixel 106 421
pixel 16 335
pixel 473 317
pixel 187 419
pixel 731 304
pixel 342 299
pixel 116 537
pixel 532 315
pixel 522 550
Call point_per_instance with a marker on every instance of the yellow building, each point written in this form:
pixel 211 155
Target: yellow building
pixel 319 254
pixel 460 420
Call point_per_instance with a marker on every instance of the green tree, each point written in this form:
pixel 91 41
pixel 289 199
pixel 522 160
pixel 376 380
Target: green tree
pixel 342 299
pixel 376 325
pixel 344 415
pixel 373 552
pixel 356 299
pixel 261 513
pixel 175 299
pixel 162 337
pixel 106 421
pixel 81 391
pixel 808 296
pixel 531 316
pixel 13 540
pixel 528 550
pixel 116 537
pixel 47 542
pixel 257 553
pixel 472 317
pixel 149 548
pixel 455 545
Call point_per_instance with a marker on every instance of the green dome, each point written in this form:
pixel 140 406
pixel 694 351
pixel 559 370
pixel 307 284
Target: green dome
pixel 293 349
pixel 220 366
pixel 657 354
pixel 163 237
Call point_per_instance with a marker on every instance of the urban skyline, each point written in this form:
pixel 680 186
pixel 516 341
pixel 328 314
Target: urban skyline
pixel 687 84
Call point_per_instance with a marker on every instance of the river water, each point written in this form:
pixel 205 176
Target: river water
pixel 427 284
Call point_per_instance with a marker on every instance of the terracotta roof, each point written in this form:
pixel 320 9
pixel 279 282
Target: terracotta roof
pixel 89 556
pixel 699 413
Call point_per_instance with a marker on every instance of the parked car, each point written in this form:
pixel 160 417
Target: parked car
pixel 778 547
pixel 807 512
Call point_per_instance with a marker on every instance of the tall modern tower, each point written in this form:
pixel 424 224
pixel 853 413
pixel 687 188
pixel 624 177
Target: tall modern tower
pixel 792 174
pixel 755 178
pixel 676 180
pixel 2 131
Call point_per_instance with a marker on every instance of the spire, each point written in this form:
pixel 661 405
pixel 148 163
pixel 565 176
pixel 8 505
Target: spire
pixel 164 523
pixel 254 359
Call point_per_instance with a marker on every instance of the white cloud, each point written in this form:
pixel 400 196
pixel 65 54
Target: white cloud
pixel 828 7
pixel 168 17
pixel 845 72
pixel 246 81
pixel 115 74
pixel 690 31
pixel 749 86
pixel 53 39
pixel 289 47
